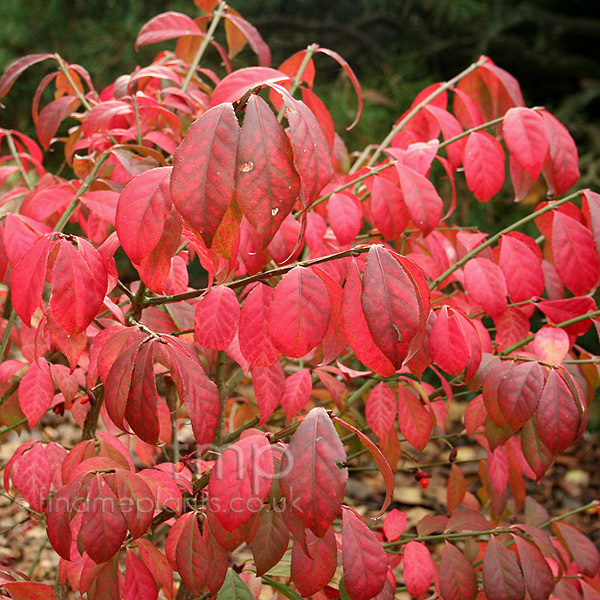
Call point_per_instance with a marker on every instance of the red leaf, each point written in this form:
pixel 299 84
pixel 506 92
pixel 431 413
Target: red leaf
pixel 266 182
pixel 299 313
pixel 241 480
pixel 561 169
pixel 579 546
pixel 394 524
pixel 448 344
pixel 269 387
pixel 314 484
pixel 135 500
pixel 391 306
pixel 558 311
pixel 536 571
pixel 103 527
pixel 118 382
pixel 312 157
pixel 356 329
pixel 380 460
pixel 166 26
pixel 519 392
pixel 32 476
pixel 27 280
pixel 418 569
pixel 483 159
pixel 424 204
pixel 457 487
pixel 538 457
pixel 203 179
pixel 142 211
pixel 200 561
pixel 466 519
pixel 36 391
pixel 345 213
pixel 574 254
pixel 236 84
pixel 78 284
pixel 270 540
pixel 363 558
pixel 298 388
pixel 414 419
pixel 558 415
pixel 51 116
pixel 199 394
pixel 250 32
pixel 352 78
pixel 388 210
pixel 591 209
pixel 485 281
pixel 502 578
pixel 217 317
pixel 16 67
pixel 526 136
pixel 311 573
pixel 29 590
pixel 139 582
pixel 157 564
pixel 522 269
pixel 255 341
pixel 380 410
pixel 457 576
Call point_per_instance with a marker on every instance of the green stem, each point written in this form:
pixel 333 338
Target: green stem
pixel 63 68
pixel 13 426
pixel 15 155
pixel 590 315
pixel 85 186
pixel 136 109
pixel 11 390
pixel 401 124
pixel 310 50
pixel 6 335
pixel 493 239
pixel 204 45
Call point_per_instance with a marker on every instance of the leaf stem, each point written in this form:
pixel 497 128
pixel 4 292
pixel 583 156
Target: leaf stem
pixel 259 276
pixel 6 335
pixel 62 66
pixel 85 186
pixel 493 239
pixel 15 155
pixel 401 124
pixel 310 50
pixel 204 45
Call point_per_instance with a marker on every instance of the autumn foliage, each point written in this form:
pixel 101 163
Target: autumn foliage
pixel 340 303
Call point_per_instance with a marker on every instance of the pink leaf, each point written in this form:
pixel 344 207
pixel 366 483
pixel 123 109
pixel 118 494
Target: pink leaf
pixel 167 26
pixel 36 391
pixel 298 388
pixel 485 281
pixel 241 480
pixel 380 410
pixel 142 211
pixel 483 159
pixel 216 318
pixel 418 569
pixel 299 313
pixel 526 136
pixel 314 482
pixel 269 387
pixel 363 558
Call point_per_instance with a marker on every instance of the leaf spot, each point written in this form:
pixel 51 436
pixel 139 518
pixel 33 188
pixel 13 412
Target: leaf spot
pixel 292 109
pixel 274 211
pixel 398 333
pixel 246 167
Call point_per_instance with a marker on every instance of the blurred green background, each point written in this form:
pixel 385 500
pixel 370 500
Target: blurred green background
pixel 395 46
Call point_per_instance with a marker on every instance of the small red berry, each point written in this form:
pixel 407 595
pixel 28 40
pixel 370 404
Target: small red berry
pixel 452 455
pixel 179 467
pixel 424 482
